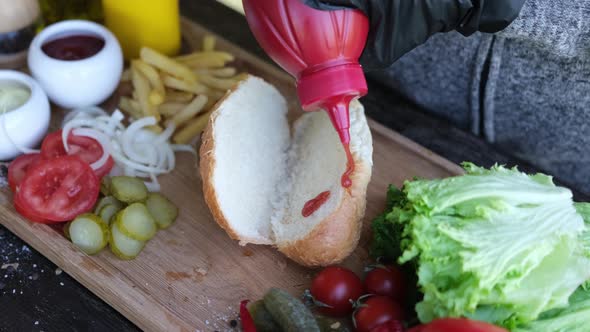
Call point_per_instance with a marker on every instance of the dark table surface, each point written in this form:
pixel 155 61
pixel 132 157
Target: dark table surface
pixel 35 295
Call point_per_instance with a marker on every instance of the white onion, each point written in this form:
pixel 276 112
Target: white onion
pixel 87 112
pixel 102 139
pixel 129 148
pixel 136 151
pixel 153 185
pixel 166 134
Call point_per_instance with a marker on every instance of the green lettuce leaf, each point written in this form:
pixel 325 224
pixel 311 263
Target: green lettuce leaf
pixel 494 244
pixel 573 318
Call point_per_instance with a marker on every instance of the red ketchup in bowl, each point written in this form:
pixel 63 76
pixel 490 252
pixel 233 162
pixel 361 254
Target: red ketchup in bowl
pixel 71 48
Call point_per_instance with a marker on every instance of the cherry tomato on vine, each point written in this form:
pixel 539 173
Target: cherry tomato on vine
pixel 336 288
pixel 376 310
pixel 386 280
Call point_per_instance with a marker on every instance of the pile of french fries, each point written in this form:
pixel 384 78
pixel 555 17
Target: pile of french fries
pixel 180 90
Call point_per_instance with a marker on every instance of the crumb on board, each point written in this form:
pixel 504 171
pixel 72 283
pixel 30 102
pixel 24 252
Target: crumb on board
pixel 58 271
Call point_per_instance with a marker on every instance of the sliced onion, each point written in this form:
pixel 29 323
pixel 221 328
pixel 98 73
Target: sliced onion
pixel 75 123
pixel 102 139
pixel 166 134
pixel 136 150
pixel 88 112
pixel 128 139
pixel 153 185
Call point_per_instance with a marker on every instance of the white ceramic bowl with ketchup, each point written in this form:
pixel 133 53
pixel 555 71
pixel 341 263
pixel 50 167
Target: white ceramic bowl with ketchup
pixel 25 125
pixel 78 63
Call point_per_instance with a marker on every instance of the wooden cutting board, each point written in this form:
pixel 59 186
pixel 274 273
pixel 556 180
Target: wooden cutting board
pixel 193 276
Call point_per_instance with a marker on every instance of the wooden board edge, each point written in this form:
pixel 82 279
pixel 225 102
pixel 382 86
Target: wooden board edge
pixel 62 253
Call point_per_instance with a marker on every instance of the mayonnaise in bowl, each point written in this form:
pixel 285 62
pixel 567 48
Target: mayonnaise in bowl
pixel 24 114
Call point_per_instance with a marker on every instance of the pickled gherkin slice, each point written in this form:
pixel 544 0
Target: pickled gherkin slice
pixel 108 212
pixel 163 211
pixel 88 233
pixel 136 222
pixel 123 246
pixel 107 200
pixel 128 189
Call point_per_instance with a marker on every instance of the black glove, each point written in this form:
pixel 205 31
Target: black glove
pixel 398 26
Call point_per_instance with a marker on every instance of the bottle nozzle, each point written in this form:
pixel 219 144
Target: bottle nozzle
pixel 337 109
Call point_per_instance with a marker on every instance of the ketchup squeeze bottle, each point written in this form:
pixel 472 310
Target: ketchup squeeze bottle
pixel 321 50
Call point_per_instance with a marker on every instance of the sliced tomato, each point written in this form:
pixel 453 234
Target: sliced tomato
pixel 88 149
pixel 26 213
pixel 18 168
pixel 59 189
pixel 457 325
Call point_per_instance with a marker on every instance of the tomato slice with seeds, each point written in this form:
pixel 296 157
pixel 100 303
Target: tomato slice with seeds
pixel 18 168
pixel 59 189
pixel 88 149
pixel 18 206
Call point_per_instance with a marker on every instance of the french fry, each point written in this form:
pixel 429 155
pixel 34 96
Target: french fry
pixel 225 72
pixel 170 109
pixel 193 87
pixel 126 75
pixel 196 56
pixel 205 63
pixel 131 107
pixel 142 91
pixel 157 95
pixel 209 43
pixel 193 128
pixel 166 64
pixel 217 83
pixel 192 109
pixel 178 97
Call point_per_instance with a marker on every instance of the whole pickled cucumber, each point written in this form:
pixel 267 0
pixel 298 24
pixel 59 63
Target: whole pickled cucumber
pixel 262 318
pixel 290 313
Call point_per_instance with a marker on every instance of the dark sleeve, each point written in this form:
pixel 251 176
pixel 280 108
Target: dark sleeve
pixel 398 26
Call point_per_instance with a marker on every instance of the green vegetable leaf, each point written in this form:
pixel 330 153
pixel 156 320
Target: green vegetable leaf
pixel 573 318
pixel 385 237
pixel 494 244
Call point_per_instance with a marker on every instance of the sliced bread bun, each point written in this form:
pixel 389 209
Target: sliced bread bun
pixel 257 176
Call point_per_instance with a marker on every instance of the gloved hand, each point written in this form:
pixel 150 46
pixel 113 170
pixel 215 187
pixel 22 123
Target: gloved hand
pixel 398 26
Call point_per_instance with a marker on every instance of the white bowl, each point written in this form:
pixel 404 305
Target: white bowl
pixel 77 83
pixel 26 125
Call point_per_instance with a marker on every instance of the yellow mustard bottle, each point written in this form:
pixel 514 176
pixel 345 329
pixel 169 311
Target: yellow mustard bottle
pixel 138 23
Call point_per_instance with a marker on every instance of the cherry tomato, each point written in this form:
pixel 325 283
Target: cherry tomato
pixel 376 310
pixel 390 326
pixel 58 189
pixel 457 325
pixel 18 168
pixel 88 149
pixel 386 280
pixel 336 287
